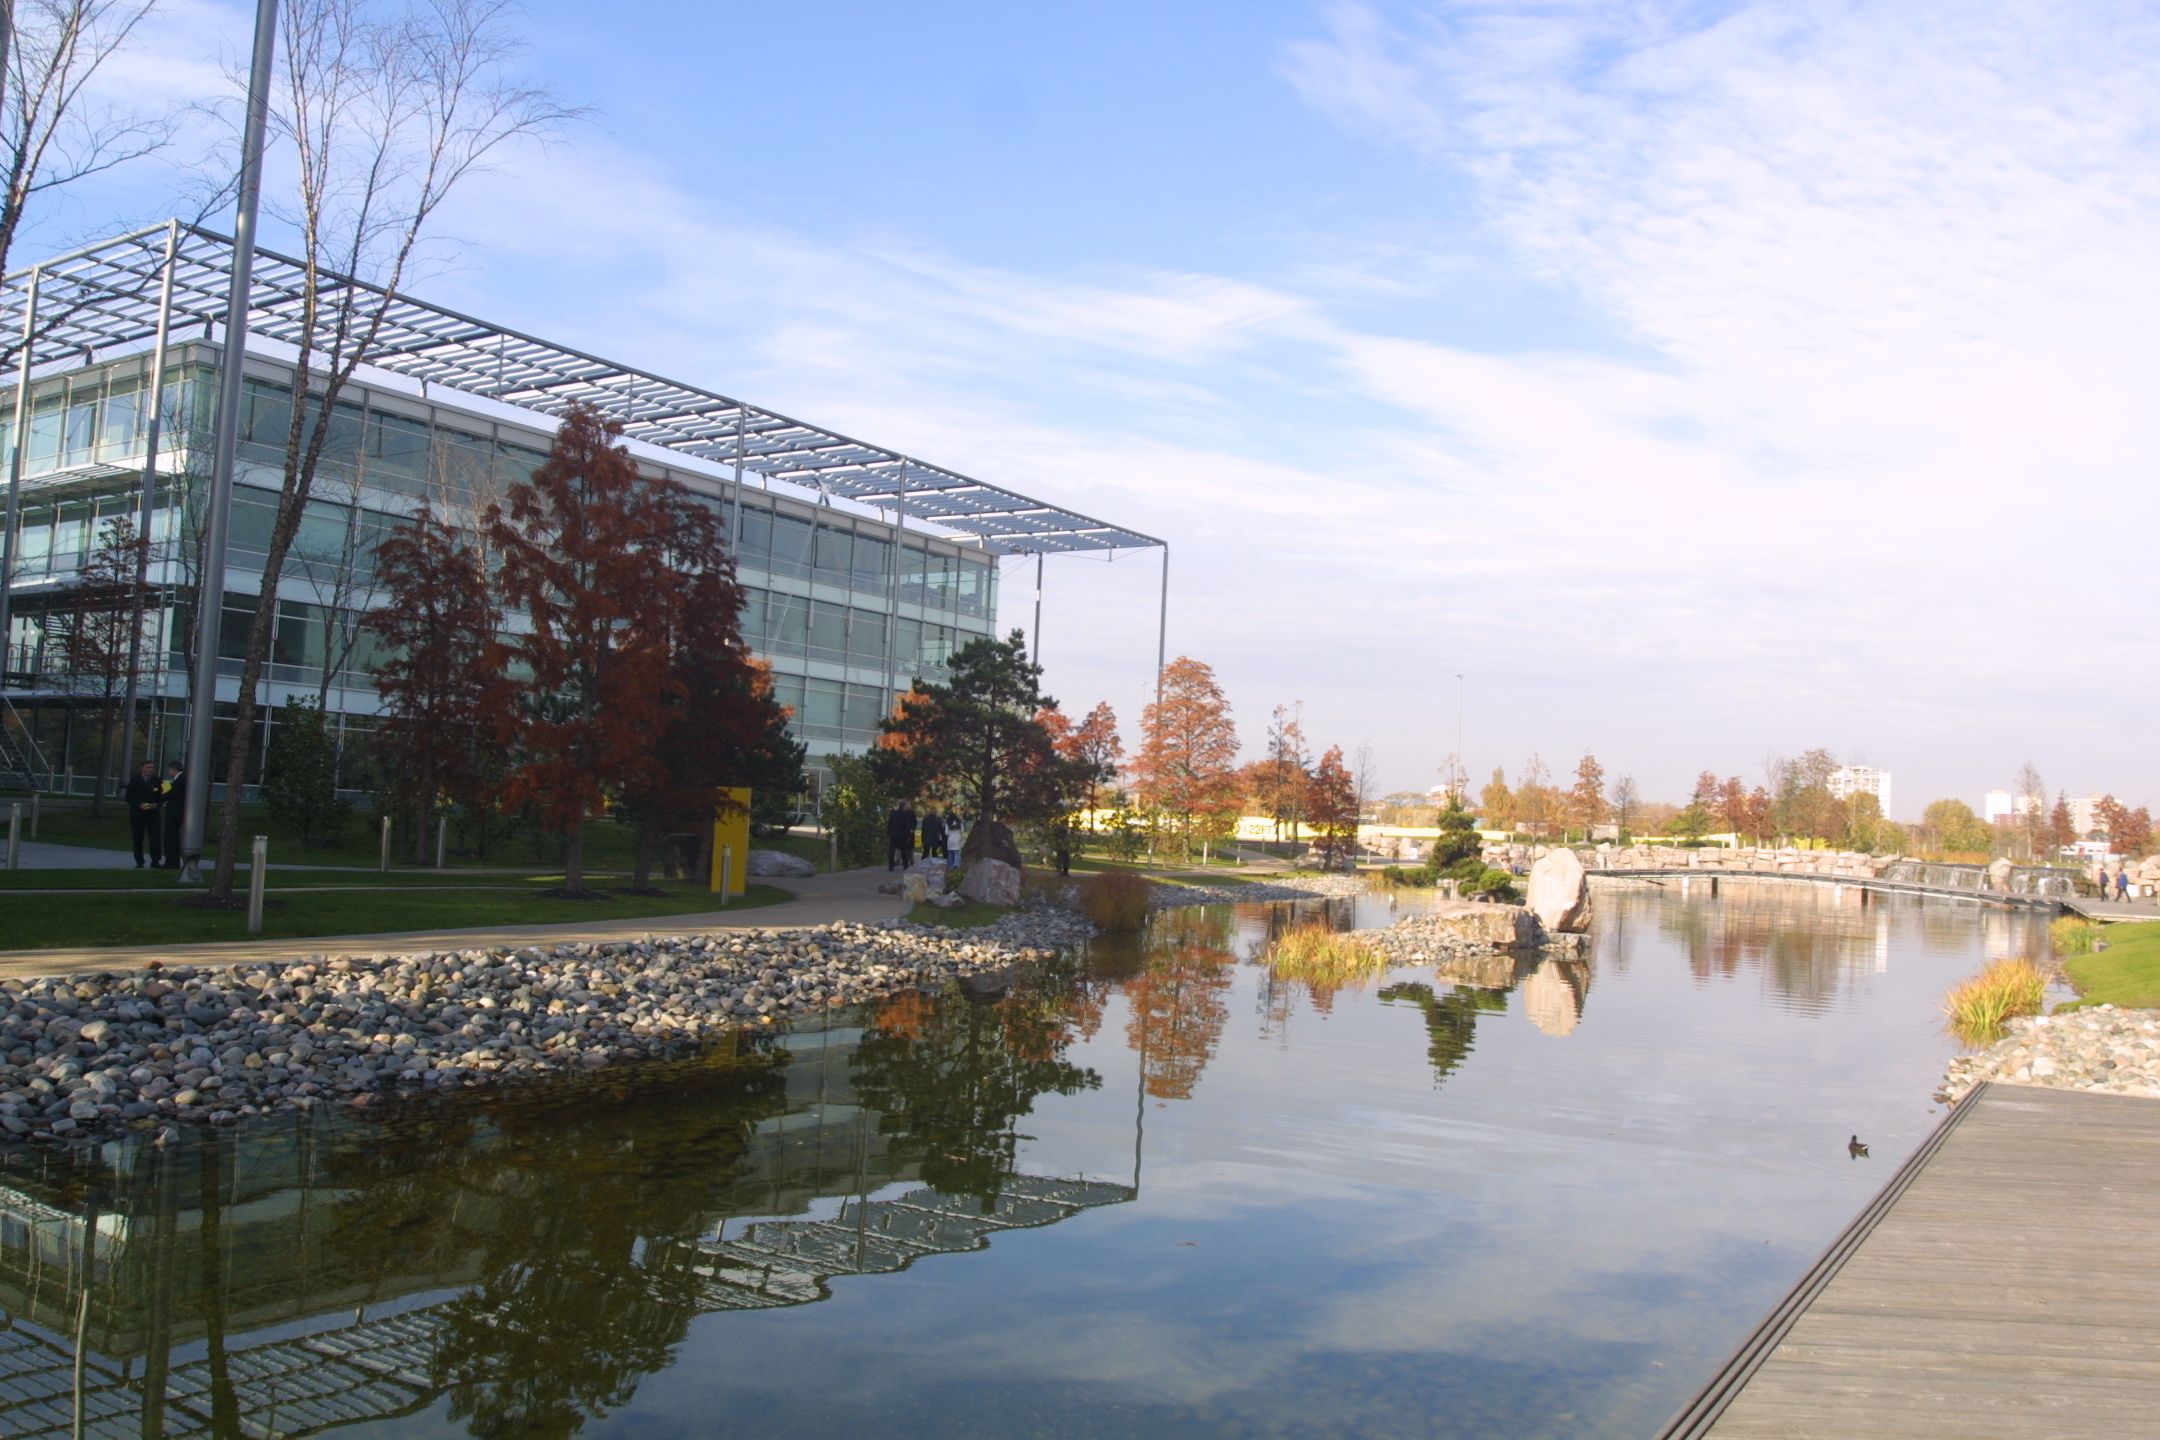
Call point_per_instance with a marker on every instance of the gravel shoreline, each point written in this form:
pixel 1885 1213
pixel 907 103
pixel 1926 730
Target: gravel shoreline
pixel 85 1055
pixel 2105 1049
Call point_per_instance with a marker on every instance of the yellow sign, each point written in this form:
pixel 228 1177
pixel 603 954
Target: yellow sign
pixel 731 845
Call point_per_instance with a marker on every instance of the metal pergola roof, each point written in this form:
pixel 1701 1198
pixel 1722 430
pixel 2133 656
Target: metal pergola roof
pixel 106 295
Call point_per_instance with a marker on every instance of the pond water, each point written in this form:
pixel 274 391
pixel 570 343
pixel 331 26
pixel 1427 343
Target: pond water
pixel 1163 1195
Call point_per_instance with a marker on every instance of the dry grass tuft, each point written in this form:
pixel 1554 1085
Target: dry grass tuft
pixel 1319 956
pixel 2072 936
pixel 1116 900
pixel 1978 1007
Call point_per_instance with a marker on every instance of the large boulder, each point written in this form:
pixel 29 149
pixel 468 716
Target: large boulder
pixel 1504 927
pixel 933 871
pixel 991 882
pixel 1559 893
pixel 991 840
pixel 780 863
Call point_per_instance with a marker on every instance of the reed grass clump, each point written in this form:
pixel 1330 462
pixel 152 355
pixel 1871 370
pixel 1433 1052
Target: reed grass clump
pixel 1116 900
pixel 1318 955
pixel 2072 936
pixel 1978 1007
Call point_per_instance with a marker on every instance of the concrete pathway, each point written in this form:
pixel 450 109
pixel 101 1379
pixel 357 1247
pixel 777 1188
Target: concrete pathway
pixel 850 895
pixel 45 855
pixel 2111 910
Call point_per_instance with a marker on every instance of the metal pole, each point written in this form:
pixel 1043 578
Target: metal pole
pixel 153 440
pixel 1035 635
pixel 384 861
pixel 442 840
pixel 727 873
pixel 1462 761
pixel 258 867
pixel 1162 633
pixel 37 804
pixel 15 469
pixel 892 598
pixel 14 835
pixel 735 525
pixel 210 591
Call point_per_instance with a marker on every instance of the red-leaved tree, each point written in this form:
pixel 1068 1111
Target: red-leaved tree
pixel 446 702
pixel 582 556
pixel 1331 807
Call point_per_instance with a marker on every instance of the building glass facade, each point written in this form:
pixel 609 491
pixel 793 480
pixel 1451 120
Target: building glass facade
pixel 847 609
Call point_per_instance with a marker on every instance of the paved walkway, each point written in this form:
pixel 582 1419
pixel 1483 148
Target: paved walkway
pixel 45 855
pixel 850 895
pixel 2110 910
pixel 2002 1285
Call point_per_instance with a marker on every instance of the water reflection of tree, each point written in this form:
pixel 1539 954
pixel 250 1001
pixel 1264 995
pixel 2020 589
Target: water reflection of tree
pixel 1179 1003
pixel 567 1223
pixel 1450 1019
pixel 949 1081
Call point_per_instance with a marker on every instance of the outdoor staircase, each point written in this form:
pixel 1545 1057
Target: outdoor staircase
pixel 21 762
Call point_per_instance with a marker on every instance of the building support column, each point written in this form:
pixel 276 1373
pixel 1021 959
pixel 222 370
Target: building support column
pixel 1035 634
pixel 892 595
pixel 15 469
pixel 1162 626
pixel 735 523
pixel 210 587
pixel 153 440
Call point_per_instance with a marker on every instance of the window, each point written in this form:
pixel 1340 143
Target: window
pixel 788 690
pixel 872 556
pixel 861 712
pixel 82 413
pixel 866 637
pixel 790 546
pixel 907 645
pixel 71 534
pixel 828 630
pixel 787 624
pixel 122 425
pixel 299 638
pixel 821 707
pixel 752 619
pixel 45 418
pixel 254 513
pixel 34 541
pixel 265 417
pixel 835 554
pixel 396 446
pixel 754 545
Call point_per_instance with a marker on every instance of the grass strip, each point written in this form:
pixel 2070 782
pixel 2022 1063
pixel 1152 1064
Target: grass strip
pixel 131 879
pixel 41 922
pixel 2126 973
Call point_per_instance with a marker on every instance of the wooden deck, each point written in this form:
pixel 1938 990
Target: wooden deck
pixel 2006 1283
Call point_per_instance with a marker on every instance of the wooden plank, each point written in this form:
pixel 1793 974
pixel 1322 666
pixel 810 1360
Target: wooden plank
pixel 2007 1283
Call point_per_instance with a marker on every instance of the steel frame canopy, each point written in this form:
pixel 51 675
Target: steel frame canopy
pixel 107 295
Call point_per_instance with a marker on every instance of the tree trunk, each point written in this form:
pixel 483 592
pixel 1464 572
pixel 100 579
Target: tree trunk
pixel 648 844
pixel 574 859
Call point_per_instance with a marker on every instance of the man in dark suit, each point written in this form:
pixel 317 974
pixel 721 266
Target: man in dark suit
pixel 144 796
pixel 175 807
pixel 900 837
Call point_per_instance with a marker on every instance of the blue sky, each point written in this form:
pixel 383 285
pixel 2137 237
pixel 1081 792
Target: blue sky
pixel 1699 380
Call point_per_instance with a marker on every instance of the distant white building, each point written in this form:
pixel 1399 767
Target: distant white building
pixel 2085 816
pixel 1849 780
pixel 2002 806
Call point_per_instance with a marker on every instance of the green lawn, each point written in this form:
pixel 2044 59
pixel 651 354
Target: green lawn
pixel 36 922
pixel 608 846
pixel 2127 973
pixel 965 916
pixel 132 879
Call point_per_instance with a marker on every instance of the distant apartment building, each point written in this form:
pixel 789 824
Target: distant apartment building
pixel 2001 807
pixel 1849 780
pixel 2085 817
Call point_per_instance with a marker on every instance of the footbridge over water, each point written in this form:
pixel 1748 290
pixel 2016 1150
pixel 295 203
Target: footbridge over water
pixel 2030 886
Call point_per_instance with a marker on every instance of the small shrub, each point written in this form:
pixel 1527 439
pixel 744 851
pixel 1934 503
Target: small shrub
pixel 1116 900
pixel 2072 936
pixel 1394 877
pixel 1320 956
pixel 1978 1007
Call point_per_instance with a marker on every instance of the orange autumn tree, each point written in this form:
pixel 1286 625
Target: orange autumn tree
pixel 1331 808
pixel 1187 766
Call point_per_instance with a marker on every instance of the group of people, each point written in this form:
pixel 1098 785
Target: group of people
pixel 2122 883
pixel 940 833
pixel 154 808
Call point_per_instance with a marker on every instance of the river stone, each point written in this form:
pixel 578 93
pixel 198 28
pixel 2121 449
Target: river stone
pixel 1559 892
pixel 991 882
pixel 779 863
pixel 914 888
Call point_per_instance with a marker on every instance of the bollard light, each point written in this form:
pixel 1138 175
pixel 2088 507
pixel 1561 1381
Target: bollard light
pixel 258 867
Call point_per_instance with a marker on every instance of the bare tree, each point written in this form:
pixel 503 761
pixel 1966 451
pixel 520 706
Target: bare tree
pixel 386 116
pixel 2031 803
pixel 51 132
pixel 1625 799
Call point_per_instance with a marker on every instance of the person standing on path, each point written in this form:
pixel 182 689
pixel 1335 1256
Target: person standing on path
pixel 933 837
pixel 174 806
pixel 144 796
pixel 900 837
pixel 2122 886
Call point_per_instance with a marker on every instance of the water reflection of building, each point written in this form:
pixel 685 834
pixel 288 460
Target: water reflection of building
pixel 524 1263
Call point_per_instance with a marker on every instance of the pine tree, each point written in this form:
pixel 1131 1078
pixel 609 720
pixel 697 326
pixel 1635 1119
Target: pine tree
pixel 300 774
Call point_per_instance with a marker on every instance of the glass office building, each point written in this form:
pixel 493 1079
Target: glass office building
pixel 863 569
